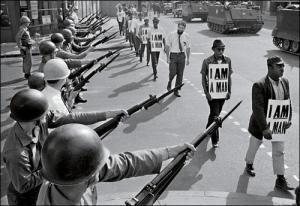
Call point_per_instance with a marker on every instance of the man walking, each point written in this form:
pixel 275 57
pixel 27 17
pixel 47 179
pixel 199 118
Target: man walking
pixel 178 54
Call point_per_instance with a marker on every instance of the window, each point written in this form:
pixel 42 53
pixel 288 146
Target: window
pixel 5 22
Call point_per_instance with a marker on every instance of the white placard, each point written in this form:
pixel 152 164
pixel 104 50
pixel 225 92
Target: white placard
pixel 218 75
pixel 278 115
pixel 156 41
pixel 46 19
pixel 145 35
pixel 34 9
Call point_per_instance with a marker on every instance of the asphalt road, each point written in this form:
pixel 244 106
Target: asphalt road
pixel 176 120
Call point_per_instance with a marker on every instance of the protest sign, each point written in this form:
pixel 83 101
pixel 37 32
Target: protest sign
pixel 145 35
pixel 156 41
pixel 218 75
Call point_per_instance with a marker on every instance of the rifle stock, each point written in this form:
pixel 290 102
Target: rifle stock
pixel 152 191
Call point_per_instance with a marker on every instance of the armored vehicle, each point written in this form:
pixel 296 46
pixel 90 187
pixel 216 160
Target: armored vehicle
pixel 194 9
pixel 177 8
pixel 244 17
pixel 167 8
pixel 286 32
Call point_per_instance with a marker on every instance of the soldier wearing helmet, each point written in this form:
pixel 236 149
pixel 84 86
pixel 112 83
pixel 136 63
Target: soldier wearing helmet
pixel 37 81
pixel 22 149
pixel 85 161
pixel 24 42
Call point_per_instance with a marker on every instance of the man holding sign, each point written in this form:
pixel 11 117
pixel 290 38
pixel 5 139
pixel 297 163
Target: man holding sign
pixel 216 82
pixel 144 35
pixel 270 118
pixel 157 44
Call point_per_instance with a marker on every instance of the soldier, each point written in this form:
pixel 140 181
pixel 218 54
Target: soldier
pixel 37 81
pixel 145 29
pixel 24 42
pixel 85 161
pixel 273 86
pixel 155 54
pixel 22 149
pixel 73 16
pixel 69 44
pixel 178 54
pixel 215 105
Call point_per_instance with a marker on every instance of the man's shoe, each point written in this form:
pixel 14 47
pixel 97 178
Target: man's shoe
pixel 26 76
pixel 169 86
pixel 249 169
pixel 281 183
pixel 141 60
pixel 78 99
pixel 216 145
pixel 147 63
pixel 83 89
pixel 177 94
pixel 155 77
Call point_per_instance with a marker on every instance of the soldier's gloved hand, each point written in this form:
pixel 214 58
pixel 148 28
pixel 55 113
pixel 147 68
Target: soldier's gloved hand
pixel 267 133
pixel 125 116
pixel 173 151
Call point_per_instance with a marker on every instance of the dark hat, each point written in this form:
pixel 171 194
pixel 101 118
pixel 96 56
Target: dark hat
pixel 155 19
pixel 218 43
pixel 274 60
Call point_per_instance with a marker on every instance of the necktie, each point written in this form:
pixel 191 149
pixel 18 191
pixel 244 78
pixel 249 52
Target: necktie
pixel 34 145
pixel 179 43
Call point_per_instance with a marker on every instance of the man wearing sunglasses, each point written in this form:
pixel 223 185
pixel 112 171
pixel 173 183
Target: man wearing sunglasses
pixel 275 87
pixel 215 105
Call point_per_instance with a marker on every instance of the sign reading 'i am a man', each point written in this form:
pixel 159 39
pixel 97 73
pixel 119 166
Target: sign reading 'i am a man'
pixel 145 35
pixel 156 41
pixel 218 75
pixel 278 115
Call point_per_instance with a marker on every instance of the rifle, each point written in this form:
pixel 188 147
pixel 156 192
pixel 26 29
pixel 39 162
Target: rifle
pixel 92 39
pixel 99 69
pixel 110 125
pixel 91 64
pixel 105 39
pixel 152 191
pixel 100 23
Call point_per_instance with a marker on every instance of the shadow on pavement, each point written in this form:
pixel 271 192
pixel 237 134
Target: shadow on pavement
pixel 130 87
pixel 130 61
pixel 131 69
pixel 236 33
pixel 191 173
pixel 145 116
pixel 281 193
pixel 12 82
pixel 243 183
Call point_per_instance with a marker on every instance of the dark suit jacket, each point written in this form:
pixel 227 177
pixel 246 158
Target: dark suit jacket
pixel 262 91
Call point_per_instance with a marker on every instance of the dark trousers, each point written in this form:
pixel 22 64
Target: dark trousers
pixel 27 62
pixel 215 107
pixel 22 199
pixel 154 61
pixel 121 27
pixel 147 51
pixel 136 43
pixel 176 67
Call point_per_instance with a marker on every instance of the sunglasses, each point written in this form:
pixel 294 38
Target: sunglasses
pixel 220 49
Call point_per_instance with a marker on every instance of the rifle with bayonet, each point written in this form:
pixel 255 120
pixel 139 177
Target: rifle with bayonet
pixel 90 75
pixel 110 125
pixel 92 39
pixel 105 39
pixel 152 191
pixel 86 67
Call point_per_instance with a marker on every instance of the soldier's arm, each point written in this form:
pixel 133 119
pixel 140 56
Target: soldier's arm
pixel 18 39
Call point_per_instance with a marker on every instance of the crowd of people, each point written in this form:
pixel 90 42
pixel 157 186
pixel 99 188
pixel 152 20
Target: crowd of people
pixel 53 158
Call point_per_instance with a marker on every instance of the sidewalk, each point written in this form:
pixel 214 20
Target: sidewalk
pixel 199 198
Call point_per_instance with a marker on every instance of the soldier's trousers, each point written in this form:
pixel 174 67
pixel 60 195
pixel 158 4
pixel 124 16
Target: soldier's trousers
pixel 215 106
pixel 277 154
pixel 147 51
pixel 22 199
pixel 154 61
pixel 27 61
pixel 176 67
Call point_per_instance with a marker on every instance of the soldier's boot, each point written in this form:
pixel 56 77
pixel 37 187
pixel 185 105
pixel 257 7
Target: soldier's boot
pixel 281 183
pixel 250 170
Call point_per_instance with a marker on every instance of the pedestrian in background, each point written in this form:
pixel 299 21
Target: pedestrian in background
pixel 178 54
pixel 144 32
pixel 156 32
pixel 215 105
pixel 121 19
pixel 272 86
pixel 24 42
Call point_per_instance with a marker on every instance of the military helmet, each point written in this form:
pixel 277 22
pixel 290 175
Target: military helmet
pixel 28 105
pixel 72 29
pixel 24 19
pixel 56 69
pixel 71 154
pixel 47 47
pixel 37 81
pixel 67 34
pixel 57 38
pixel 68 22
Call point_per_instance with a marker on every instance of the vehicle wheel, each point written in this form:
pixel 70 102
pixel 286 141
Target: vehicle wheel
pixel 295 46
pixel 276 41
pixel 204 19
pixel 286 44
pixel 209 25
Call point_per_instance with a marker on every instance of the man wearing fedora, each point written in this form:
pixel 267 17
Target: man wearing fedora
pixel 215 105
pixel 273 86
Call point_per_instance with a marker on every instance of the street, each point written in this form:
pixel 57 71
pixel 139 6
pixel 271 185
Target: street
pixel 127 82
